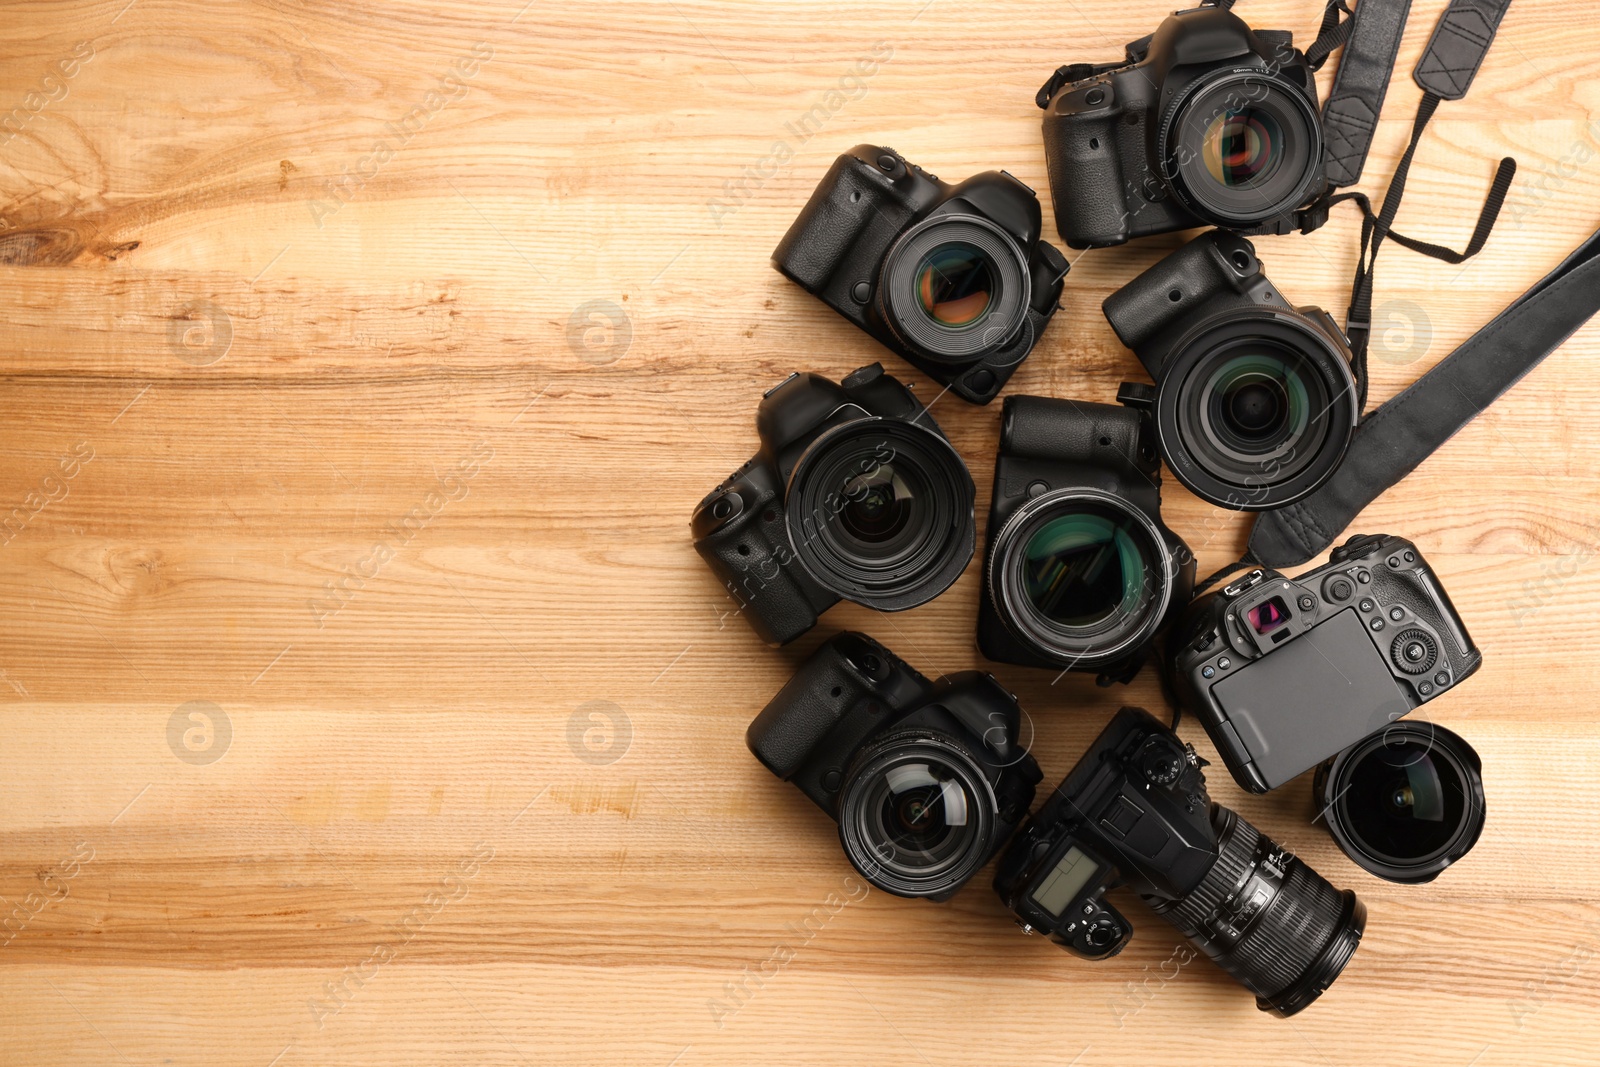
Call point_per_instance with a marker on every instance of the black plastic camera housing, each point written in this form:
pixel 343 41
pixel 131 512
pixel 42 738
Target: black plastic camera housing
pixel 1285 673
pixel 955 279
pixel 1207 123
pixel 1080 572
pixel 1135 811
pixel 856 493
pixel 926 780
pixel 1255 402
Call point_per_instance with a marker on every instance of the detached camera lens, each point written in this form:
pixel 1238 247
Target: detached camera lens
pixel 880 511
pixel 1406 802
pixel 916 815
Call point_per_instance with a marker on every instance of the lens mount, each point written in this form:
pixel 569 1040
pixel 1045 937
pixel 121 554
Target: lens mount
pixel 1406 802
pixel 881 512
pixel 1241 146
pixel 955 288
pixel 1255 409
pixel 1080 577
pixel 916 814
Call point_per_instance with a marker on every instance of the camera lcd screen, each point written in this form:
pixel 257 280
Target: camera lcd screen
pixel 1062 885
pixel 1308 699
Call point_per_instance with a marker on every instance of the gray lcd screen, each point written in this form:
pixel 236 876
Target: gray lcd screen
pixel 1062 885
pixel 1311 698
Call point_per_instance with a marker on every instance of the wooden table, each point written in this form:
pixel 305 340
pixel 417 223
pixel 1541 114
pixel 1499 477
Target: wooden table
pixel 363 699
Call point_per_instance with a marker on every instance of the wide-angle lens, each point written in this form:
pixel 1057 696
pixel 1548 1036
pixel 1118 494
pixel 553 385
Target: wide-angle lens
pixel 915 816
pixel 955 284
pixel 1278 927
pixel 1243 146
pixel 880 511
pixel 1406 802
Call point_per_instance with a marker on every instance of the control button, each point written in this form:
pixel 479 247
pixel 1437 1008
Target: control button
pixel 1339 588
pixel 1394 561
pixel 862 292
pixel 1411 557
pixel 1426 688
pixel 1306 603
pixel 1397 614
pixel 1442 678
pixel 1088 909
pixel 1224 663
pixel 830 781
pixel 1363 576
pixel 1037 489
pixel 1208 672
pixel 981 381
pixel 1366 604
pixel 887 162
pixel 1414 651
pixel 1376 624
pixel 1095 97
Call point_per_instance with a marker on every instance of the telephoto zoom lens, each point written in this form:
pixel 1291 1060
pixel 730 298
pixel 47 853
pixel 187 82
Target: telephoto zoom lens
pixel 1278 927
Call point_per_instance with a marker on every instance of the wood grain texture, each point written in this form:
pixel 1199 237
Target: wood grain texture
pixel 262 351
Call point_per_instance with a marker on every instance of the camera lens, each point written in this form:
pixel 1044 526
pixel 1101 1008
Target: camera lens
pixel 1080 577
pixel 915 815
pixel 1406 802
pixel 1255 410
pixel 1242 147
pixel 880 511
pixel 955 284
pixel 955 288
pixel 1278 927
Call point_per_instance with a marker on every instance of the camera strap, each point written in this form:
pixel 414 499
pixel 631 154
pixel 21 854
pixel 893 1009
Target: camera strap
pixel 1396 438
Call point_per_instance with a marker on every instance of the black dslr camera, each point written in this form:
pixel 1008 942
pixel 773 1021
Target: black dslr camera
pixel 1206 123
pixel 1255 403
pixel 855 494
pixel 1287 672
pixel 955 279
pixel 1080 572
pixel 1135 810
pixel 925 779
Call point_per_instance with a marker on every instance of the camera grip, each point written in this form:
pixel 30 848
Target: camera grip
pixel 1087 189
pixel 852 199
pixel 1418 591
pixel 1072 431
pixel 1180 285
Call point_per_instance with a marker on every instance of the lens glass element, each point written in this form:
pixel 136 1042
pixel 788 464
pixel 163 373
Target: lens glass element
pixel 1084 566
pixel 879 504
pixel 1243 146
pixel 955 284
pixel 1405 801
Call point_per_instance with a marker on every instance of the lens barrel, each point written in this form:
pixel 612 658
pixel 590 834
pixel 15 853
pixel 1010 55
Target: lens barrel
pixel 1406 802
pixel 1278 927
pixel 881 512
pixel 1080 578
pixel 916 815
pixel 955 288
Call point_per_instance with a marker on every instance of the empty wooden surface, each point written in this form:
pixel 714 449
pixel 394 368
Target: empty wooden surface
pixel 363 700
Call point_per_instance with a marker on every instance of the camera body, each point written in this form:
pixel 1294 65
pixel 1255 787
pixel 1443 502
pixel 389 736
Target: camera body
pixel 855 717
pixel 874 238
pixel 1135 811
pixel 1080 572
pixel 774 559
pixel 1285 673
pixel 1138 149
pixel 1255 403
